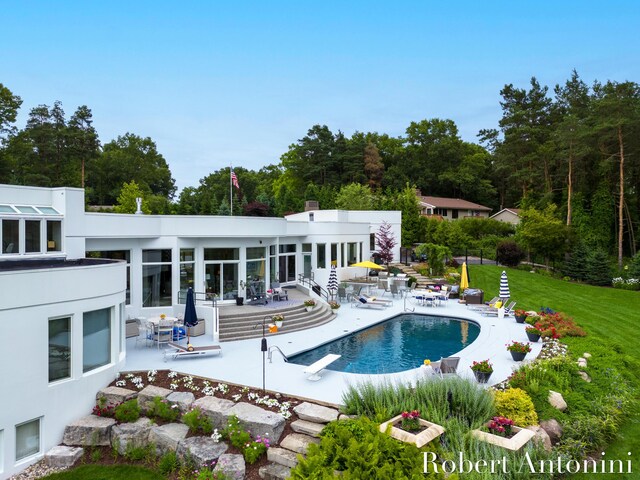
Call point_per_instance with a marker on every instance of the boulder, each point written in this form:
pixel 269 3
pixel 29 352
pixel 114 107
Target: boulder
pixel 541 437
pixel 115 395
pixel 582 362
pixel 89 431
pixel 316 413
pixel 274 471
pixel 553 429
pixel 201 450
pixel 296 442
pixel 282 456
pixel 135 434
pixel 258 421
pixel 215 408
pixel 183 400
pixel 231 465
pixel 585 376
pixel 586 355
pixel 308 428
pixel 62 456
pixel 167 437
pixel 557 401
pixel 148 393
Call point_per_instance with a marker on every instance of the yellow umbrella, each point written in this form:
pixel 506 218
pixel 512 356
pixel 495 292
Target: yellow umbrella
pixel 464 278
pixel 368 264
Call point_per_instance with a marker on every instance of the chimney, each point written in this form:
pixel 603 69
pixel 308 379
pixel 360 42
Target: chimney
pixel 310 205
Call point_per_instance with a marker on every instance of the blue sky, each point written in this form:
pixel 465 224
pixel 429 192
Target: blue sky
pixel 219 82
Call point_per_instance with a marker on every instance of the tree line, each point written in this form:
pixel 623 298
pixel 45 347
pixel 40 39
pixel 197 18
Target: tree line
pixel 570 154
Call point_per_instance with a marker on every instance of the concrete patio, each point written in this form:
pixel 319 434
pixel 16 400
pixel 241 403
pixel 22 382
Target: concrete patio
pixel 241 361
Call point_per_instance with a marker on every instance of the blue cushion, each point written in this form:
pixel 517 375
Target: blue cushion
pixel 362 300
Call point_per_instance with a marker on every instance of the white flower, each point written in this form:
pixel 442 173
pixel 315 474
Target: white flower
pixel 173 386
pixel 121 383
pixel 216 436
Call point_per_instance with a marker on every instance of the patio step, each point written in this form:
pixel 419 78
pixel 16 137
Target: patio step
pixel 241 327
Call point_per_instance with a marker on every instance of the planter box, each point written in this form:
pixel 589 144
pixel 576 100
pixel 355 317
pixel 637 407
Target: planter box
pixel 482 377
pixel 419 439
pixel 521 437
pixel 533 337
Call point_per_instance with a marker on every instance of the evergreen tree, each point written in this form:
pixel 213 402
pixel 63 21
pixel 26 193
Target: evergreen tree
pixel 598 268
pixel 576 266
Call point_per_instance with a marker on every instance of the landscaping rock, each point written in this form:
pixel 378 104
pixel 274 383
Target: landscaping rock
pixel 89 431
pixel 135 434
pixel 62 456
pixel 274 472
pixel 316 413
pixel 258 421
pixel 308 428
pixel 582 363
pixel 585 376
pixel 201 450
pixel 298 443
pixel 183 400
pixel 167 437
pixel 586 355
pixel 232 465
pixel 215 408
pixel 282 456
pixel 557 401
pixel 553 429
pixel 344 416
pixel 148 393
pixel 541 437
pixel 115 395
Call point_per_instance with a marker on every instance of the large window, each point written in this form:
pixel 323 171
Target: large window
pixel 54 236
pixel 287 263
pixel 10 236
pixel 372 241
pixel 27 439
pixel 115 255
pixel 352 253
pixel 321 250
pixel 59 348
pixel 221 271
pixel 156 278
pixel 96 339
pixel 32 236
pixel 187 266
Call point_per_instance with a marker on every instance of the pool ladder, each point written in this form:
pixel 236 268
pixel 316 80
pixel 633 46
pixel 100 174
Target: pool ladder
pixel 273 348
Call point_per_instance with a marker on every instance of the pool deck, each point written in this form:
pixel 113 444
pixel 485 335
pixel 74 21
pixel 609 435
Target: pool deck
pixel 241 361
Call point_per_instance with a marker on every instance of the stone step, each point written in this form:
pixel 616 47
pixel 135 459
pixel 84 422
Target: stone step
pixel 148 393
pixel 128 435
pixel 308 428
pixel 282 456
pixel 89 431
pixel 292 318
pixel 274 471
pixel 62 456
pixel 201 450
pixel 312 412
pixel 259 315
pixel 249 332
pixel 297 442
pixel 115 395
pixel 167 437
pixel 232 465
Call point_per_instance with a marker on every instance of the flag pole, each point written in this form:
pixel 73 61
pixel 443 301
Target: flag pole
pixel 231 189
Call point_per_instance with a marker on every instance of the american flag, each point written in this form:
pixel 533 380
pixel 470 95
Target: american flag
pixel 234 180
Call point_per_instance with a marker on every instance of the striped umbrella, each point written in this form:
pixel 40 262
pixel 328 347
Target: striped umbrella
pixel 504 286
pixel 332 285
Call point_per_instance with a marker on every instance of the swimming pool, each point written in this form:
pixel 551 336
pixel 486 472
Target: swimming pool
pixel 400 343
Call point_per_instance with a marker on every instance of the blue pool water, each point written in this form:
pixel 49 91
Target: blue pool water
pixel 400 343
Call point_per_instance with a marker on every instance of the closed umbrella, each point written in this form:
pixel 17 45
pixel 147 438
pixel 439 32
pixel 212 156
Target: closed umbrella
pixel 332 284
pixel 464 278
pixel 504 286
pixel 190 315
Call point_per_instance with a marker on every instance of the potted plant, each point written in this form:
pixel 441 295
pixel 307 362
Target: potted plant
pixel 520 315
pixel 482 370
pixel 410 428
pixel 518 350
pixel 533 333
pixel 278 319
pixel 410 421
pixel 310 304
pixel 334 307
pixel 502 431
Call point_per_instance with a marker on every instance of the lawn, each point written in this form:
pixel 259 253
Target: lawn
pixel 610 317
pixel 107 472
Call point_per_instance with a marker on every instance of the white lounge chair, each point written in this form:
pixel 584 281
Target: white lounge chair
pixel 362 301
pixel 183 350
pixel 315 368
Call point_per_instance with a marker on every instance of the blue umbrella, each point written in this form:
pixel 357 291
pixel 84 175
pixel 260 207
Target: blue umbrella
pixel 190 315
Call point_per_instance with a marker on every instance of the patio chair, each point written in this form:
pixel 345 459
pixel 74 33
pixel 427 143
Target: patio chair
pixel 446 366
pixel 483 306
pixel 144 331
pixel 362 301
pixel 342 293
pixel 163 332
pixel 190 351
pixel 278 292
pixel 386 303
pixel 508 310
pixel 394 289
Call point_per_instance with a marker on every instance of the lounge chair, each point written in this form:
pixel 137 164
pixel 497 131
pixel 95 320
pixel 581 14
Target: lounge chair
pixel 448 365
pixel 362 301
pixel 482 306
pixel 183 350
pixel 315 368
pixel 381 301
pixel 508 310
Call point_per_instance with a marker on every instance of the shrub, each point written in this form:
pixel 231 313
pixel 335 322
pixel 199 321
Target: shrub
pixel 162 410
pixel 634 266
pixel 509 253
pixel 516 404
pixel 236 434
pixel 128 411
pixel 628 284
pixel 168 463
pixel 137 454
pixel 436 255
pixel 556 325
pixel 598 268
pixel 576 265
pixel 254 450
pixel 197 421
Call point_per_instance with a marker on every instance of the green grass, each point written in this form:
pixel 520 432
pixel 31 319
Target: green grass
pixel 610 317
pixel 107 472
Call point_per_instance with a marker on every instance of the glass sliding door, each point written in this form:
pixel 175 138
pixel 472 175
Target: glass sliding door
pixel 221 280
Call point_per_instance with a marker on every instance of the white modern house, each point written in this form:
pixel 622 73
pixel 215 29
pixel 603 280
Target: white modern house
pixel 70 279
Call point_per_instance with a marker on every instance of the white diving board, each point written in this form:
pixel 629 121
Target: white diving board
pixel 315 368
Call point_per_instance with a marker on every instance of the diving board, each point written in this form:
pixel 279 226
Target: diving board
pixel 315 368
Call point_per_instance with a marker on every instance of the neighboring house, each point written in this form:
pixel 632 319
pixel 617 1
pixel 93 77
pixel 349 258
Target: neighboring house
pixel 451 208
pixel 509 215
pixel 63 315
